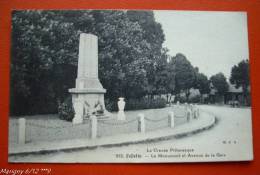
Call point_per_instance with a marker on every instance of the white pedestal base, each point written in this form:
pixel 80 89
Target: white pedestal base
pixel 121 115
pixel 77 120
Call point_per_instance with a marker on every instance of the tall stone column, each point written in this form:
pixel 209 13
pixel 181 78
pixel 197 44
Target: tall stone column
pixel 88 92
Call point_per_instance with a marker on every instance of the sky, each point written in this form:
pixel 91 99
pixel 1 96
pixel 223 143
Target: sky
pixel 212 41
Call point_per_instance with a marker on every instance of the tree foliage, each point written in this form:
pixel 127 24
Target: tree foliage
pixel 219 81
pixel 185 73
pixel 202 83
pixel 240 75
pixel 38 60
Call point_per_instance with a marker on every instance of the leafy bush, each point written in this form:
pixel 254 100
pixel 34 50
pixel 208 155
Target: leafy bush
pixel 181 99
pixel 194 96
pixel 145 103
pixel 65 109
pixel 205 100
pixel 194 99
pixel 111 105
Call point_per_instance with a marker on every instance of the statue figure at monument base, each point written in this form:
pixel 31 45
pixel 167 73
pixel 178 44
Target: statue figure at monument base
pixel 78 108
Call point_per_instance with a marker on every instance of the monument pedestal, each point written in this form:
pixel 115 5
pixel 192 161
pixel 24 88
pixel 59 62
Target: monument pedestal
pixel 88 99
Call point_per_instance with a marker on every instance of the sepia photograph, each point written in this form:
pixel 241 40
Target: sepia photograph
pixel 129 86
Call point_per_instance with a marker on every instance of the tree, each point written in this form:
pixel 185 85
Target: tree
pixel 202 83
pixel 185 74
pixel 240 76
pixel 153 33
pixel 40 44
pixel 123 54
pixel 220 83
pixel 154 36
pixel 171 76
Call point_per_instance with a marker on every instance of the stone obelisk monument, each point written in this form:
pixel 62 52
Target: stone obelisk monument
pixel 89 93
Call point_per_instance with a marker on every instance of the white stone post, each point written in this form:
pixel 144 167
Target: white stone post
pixel 21 130
pixel 197 112
pixel 93 126
pixel 141 124
pixel 194 113
pixel 186 106
pixel 171 119
pixel 188 115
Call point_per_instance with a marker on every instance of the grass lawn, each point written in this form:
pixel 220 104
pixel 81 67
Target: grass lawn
pixel 50 127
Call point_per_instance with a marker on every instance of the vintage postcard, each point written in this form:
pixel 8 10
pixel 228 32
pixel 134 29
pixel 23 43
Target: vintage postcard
pixel 137 86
